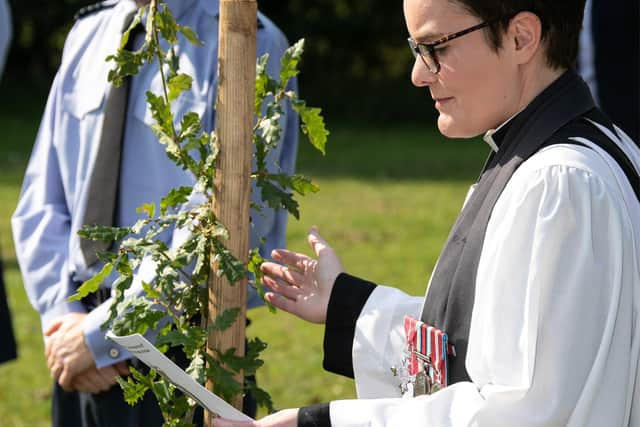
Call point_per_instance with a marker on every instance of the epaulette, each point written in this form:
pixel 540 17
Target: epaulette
pixel 93 8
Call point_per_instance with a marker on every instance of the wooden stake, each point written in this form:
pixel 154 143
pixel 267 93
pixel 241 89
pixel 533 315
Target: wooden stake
pixel 234 127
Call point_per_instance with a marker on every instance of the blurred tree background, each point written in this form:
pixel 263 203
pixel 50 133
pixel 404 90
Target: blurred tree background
pixel 356 67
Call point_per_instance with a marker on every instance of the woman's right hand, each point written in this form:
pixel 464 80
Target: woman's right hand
pixel 302 285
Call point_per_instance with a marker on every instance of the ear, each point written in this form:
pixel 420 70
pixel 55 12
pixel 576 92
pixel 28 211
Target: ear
pixel 523 36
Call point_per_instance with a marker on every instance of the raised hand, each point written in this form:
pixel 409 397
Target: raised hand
pixel 302 285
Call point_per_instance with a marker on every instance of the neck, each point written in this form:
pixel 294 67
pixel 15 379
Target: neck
pixel 534 81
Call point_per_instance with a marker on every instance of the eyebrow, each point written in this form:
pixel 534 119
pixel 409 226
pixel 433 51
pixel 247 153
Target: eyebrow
pixel 429 37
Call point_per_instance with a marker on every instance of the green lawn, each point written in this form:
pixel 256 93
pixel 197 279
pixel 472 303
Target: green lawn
pixel 388 197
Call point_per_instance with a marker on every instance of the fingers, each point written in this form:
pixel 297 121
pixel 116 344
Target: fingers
pixel 66 380
pixel 122 368
pixel 283 303
pixel 109 375
pixel 316 241
pixel 54 326
pixel 94 380
pixel 290 292
pixel 56 371
pixel 83 384
pixel 293 259
pixel 283 272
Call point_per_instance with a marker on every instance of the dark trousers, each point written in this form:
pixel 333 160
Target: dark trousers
pixel 108 409
pixel 7 340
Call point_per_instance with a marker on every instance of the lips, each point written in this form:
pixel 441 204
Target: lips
pixel 442 102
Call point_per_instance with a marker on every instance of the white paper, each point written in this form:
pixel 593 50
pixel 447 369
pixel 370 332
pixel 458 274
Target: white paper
pixel 146 352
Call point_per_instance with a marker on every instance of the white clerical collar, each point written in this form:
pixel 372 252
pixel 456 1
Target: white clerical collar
pixel 488 136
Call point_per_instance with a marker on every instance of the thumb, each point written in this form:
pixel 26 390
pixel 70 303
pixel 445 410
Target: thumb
pixel 316 241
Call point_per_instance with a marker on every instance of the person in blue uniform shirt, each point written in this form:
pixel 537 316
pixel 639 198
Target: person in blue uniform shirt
pixel 55 191
pixel 7 339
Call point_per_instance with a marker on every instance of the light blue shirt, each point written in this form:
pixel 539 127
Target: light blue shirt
pixel 5 32
pixel 54 193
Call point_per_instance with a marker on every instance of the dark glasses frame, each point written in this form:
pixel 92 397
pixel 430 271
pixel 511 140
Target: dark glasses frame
pixel 427 51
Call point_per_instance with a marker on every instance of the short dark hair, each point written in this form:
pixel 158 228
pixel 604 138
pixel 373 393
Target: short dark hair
pixel 561 24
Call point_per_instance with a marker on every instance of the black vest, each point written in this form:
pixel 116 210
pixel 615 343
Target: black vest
pixel 555 114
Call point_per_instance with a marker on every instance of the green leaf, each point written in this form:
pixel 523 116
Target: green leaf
pixel 196 368
pixel 298 183
pixel 202 254
pixel 303 185
pixel 289 62
pixel 167 25
pixel 276 198
pixel 136 21
pixel 255 261
pixel 225 383
pixel 312 124
pixel 92 284
pixel 178 84
pixel 175 198
pixel 136 315
pixel 162 391
pixel 123 268
pixel 133 390
pixel 190 35
pixel 191 338
pixel 262 398
pixel 190 125
pixel 161 112
pixel 148 208
pixel 224 320
pixel 127 64
pixel 104 233
pixel 150 291
pixel 228 265
pixel 269 128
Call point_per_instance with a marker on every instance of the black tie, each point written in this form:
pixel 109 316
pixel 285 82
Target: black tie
pixel 103 183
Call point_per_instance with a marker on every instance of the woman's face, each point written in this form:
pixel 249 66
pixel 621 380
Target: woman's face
pixel 477 88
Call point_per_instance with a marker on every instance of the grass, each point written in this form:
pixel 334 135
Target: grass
pixel 388 198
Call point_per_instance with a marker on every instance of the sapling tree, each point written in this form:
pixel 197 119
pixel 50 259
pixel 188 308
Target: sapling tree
pixel 174 303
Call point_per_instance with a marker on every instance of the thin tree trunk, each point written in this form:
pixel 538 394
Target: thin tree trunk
pixel 234 127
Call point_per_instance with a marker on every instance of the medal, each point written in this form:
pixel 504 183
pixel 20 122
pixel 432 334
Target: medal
pixel 424 365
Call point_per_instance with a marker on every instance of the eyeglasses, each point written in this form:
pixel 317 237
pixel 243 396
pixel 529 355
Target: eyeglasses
pixel 427 51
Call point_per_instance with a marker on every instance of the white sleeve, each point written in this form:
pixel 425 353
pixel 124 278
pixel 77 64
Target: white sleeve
pixel 552 341
pixel 379 340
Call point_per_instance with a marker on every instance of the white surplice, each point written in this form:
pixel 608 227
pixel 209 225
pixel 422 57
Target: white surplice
pixel 555 335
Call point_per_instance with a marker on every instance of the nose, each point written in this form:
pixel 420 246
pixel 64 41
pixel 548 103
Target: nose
pixel 420 74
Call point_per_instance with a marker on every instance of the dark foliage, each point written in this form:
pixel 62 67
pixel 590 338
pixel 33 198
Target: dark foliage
pixel 357 65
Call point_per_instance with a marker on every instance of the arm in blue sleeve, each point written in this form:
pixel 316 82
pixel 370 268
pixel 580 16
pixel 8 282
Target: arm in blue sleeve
pixel 42 226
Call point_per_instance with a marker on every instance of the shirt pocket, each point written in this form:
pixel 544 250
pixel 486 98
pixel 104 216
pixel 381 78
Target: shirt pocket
pixel 81 100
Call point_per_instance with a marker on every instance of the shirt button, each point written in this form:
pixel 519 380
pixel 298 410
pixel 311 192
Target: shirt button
pixel 114 352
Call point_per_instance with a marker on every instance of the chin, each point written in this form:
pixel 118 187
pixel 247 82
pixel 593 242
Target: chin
pixel 453 129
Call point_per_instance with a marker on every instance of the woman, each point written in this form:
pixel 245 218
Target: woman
pixel 539 280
